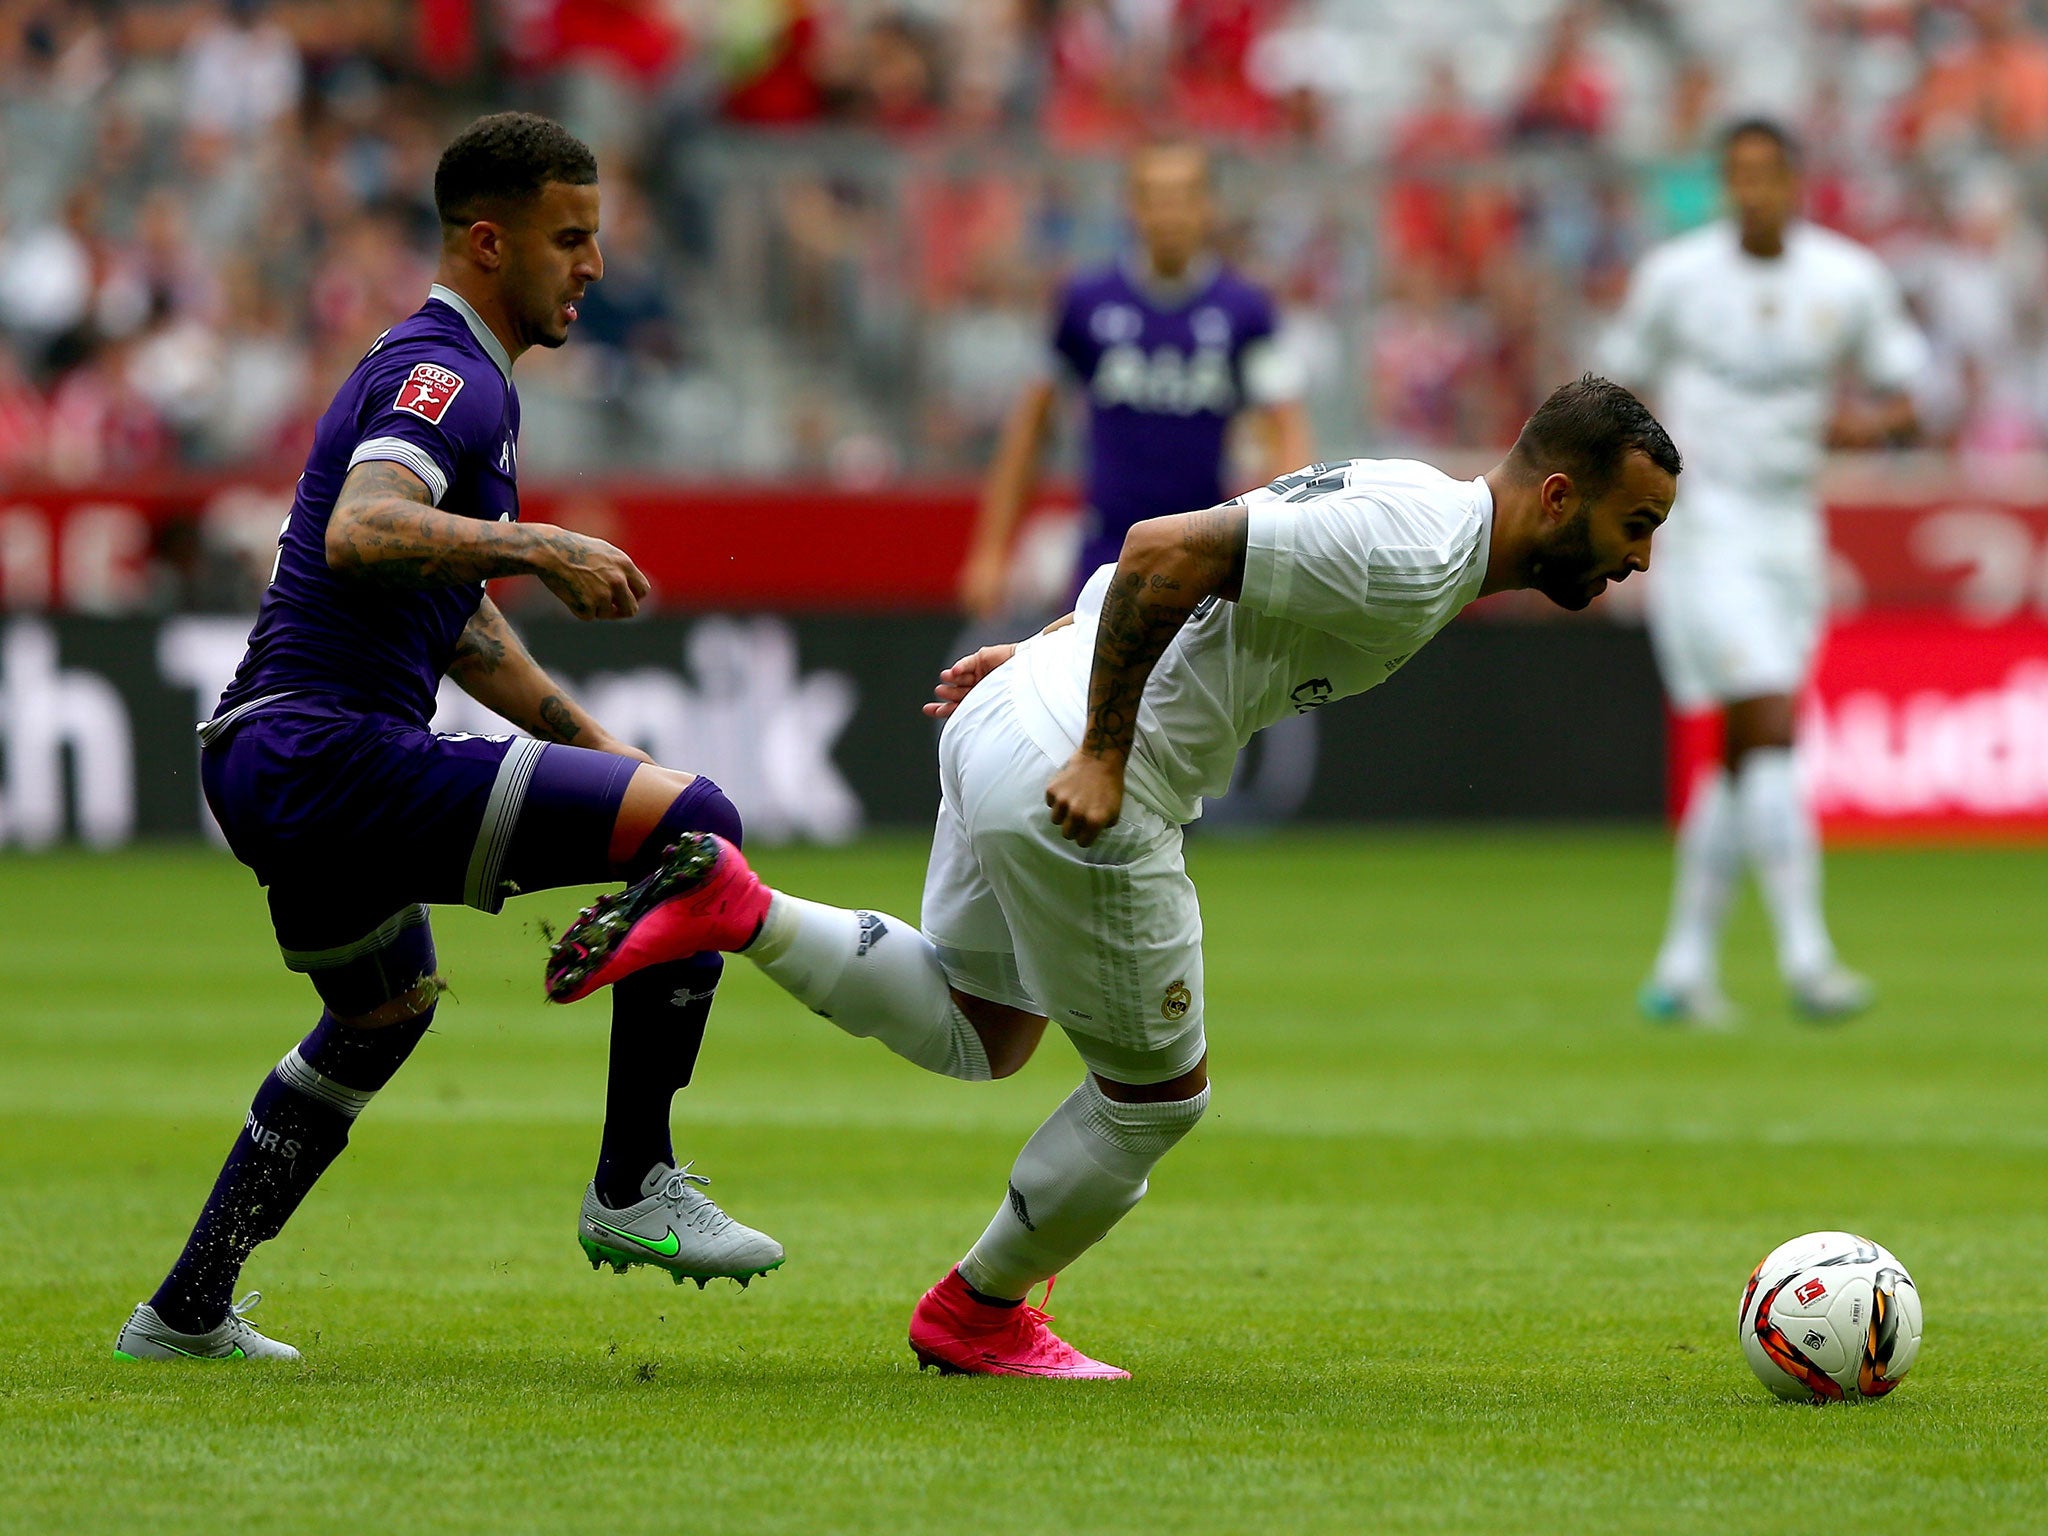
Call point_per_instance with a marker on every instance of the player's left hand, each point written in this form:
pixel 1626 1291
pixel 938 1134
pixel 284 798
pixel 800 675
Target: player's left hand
pixel 1086 797
pixel 958 680
pixel 594 580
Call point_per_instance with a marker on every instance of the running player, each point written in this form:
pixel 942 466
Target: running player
pixel 1169 347
pixel 1120 719
pixel 322 771
pixel 1744 330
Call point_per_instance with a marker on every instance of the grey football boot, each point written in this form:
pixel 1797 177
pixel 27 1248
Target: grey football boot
pixel 1702 1006
pixel 145 1336
pixel 677 1228
pixel 1832 995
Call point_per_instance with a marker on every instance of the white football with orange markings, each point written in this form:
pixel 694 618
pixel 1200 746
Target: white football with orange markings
pixel 1830 1316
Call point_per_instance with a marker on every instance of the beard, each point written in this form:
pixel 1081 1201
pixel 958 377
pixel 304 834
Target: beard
pixel 1565 569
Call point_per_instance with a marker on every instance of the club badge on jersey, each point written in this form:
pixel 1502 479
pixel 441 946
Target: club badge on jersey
pixel 428 391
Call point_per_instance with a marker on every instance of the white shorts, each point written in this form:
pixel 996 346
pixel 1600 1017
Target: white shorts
pixel 1727 625
pixel 1105 941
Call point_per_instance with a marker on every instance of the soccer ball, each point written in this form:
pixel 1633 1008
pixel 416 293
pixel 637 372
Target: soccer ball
pixel 1829 1316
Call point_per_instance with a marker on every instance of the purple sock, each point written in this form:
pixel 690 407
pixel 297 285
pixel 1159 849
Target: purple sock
pixel 658 1020
pixel 297 1125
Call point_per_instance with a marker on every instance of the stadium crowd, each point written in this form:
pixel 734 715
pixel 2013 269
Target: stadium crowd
pixel 831 225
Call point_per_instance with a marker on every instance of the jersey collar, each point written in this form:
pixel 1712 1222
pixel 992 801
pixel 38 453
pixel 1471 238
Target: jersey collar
pixel 483 333
pixel 1176 293
pixel 1794 234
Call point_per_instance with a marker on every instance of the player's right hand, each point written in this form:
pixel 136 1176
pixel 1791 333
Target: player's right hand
pixel 1086 797
pixel 958 680
pixel 594 580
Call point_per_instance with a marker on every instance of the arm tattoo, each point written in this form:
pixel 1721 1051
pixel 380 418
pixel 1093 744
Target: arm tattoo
pixel 1138 622
pixel 493 667
pixel 385 529
pixel 480 650
pixel 1147 604
pixel 1217 537
pixel 560 723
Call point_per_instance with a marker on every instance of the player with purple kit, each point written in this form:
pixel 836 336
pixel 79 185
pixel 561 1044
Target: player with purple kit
pixel 1169 347
pixel 322 770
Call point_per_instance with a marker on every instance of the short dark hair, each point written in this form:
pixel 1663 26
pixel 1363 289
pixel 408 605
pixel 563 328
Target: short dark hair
pixel 505 159
pixel 1586 428
pixel 1761 128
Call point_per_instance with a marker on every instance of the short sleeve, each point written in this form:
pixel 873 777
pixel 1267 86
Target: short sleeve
pixel 1891 354
pixel 1637 342
pixel 428 415
pixel 1308 561
pixel 1273 372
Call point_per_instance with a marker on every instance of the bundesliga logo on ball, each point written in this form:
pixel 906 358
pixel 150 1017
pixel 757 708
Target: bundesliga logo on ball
pixel 1830 1316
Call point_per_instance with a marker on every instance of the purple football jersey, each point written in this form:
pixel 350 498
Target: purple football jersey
pixel 1164 374
pixel 435 395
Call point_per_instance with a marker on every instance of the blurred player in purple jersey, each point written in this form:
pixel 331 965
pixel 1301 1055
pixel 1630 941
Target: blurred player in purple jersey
pixel 1170 347
pixel 322 770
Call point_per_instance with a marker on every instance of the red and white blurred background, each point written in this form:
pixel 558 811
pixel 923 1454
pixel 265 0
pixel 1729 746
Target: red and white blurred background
pixel 832 227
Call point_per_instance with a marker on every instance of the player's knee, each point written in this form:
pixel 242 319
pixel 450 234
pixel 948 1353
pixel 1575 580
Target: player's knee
pixel 1007 1053
pixel 715 812
pixel 415 1002
pixel 700 806
pixel 386 977
pixel 1009 1036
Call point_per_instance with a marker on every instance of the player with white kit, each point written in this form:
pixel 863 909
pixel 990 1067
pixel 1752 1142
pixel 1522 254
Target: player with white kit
pixel 1742 332
pixel 1056 888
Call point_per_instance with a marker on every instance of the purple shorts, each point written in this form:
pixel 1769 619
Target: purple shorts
pixel 351 818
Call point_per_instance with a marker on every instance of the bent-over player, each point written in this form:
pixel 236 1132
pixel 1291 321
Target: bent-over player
pixel 322 771
pixel 1056 888
pixel 1743 330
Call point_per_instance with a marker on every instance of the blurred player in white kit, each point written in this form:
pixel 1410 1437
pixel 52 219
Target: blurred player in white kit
pixel 1742 333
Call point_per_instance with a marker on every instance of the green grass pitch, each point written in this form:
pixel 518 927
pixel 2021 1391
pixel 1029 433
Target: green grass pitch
pixel 1457 1249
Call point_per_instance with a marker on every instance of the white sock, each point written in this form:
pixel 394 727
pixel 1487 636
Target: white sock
pixel 1709 866
pixel 1075 1178
pixel 873 975
pixel 1784 849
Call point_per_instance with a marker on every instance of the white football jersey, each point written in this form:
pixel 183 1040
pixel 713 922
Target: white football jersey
pixel 1349 569
pixel 1743 354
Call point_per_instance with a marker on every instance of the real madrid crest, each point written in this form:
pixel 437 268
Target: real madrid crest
pixel 1178 1000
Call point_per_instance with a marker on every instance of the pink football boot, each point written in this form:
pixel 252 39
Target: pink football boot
pixel 964 1336
pixel 702 896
